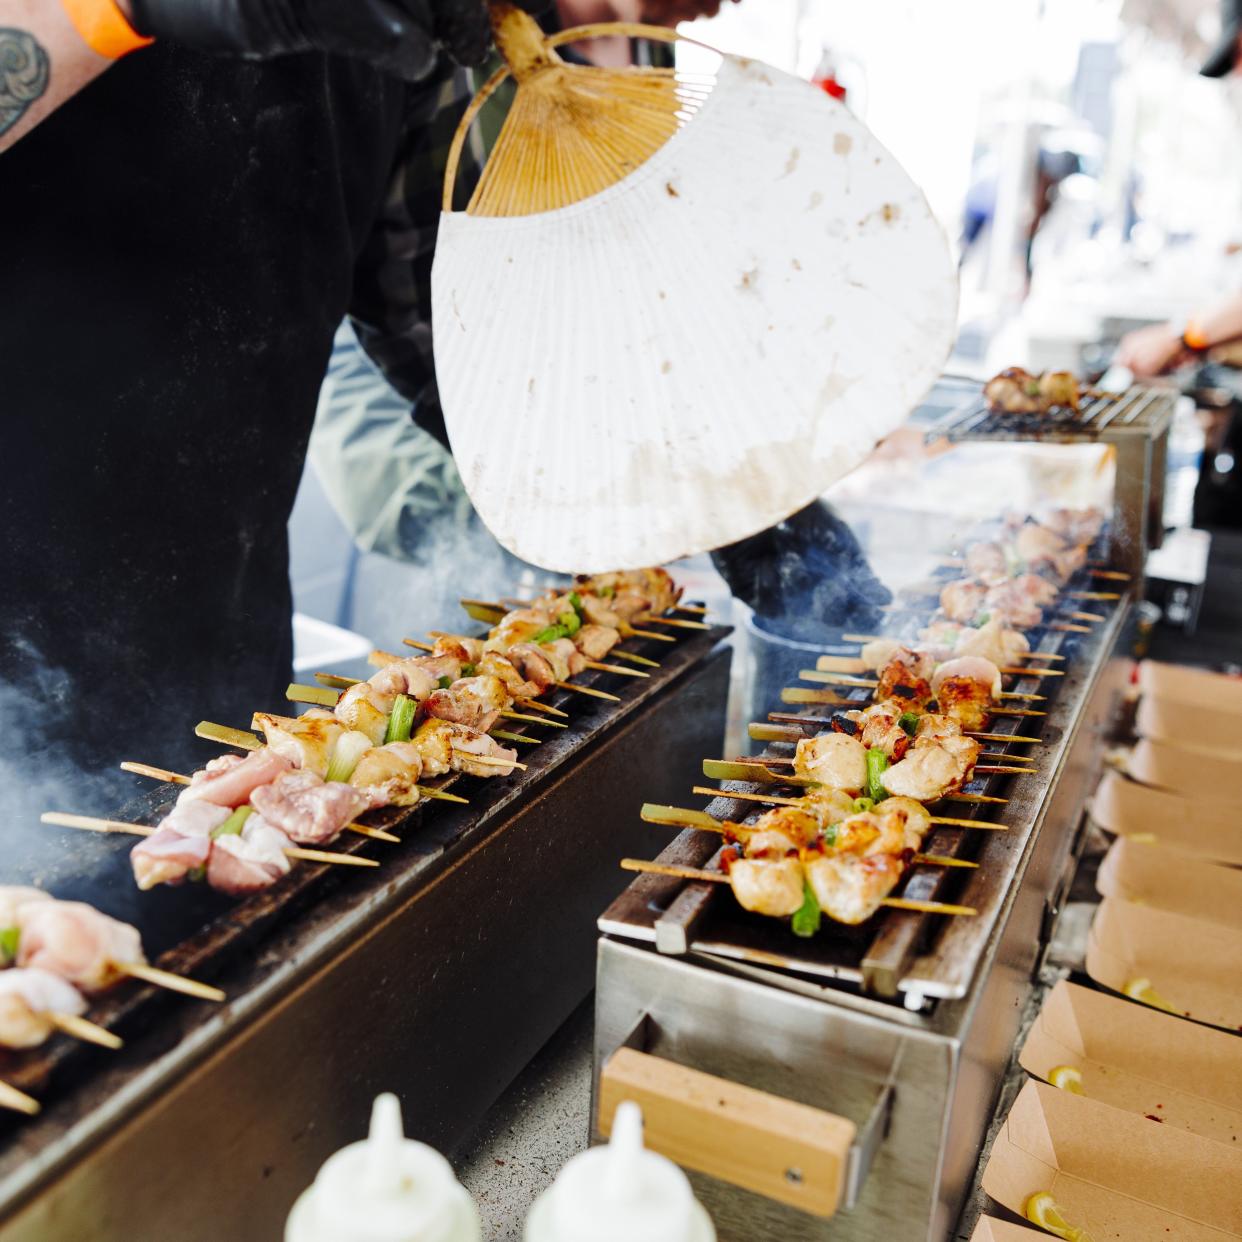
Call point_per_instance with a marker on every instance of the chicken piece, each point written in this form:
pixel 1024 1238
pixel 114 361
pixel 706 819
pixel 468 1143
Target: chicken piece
pixel 168 857
pixel 790 823
pixel 12 898
pixel 768 886
pixel 904 822
pixel 1059 388
pixel 1013 391
pixel 833 759
pixel 829 806
pixel 534 664
pixel 358 713
pixel 635 593
pixel 857 833
pixel 966 701
pixel 77 942
pixel 388 775
pixel 308 809
pixel 432 741
pixel 306 741
pixel 250 860
pixel 519 626
pixel 940 637
pixel 493 664
pixel 1010 604
pixel 1035 544
pixel 766 843
pixel 925 774
pixel 905 677
pixel 877 653
pixel 473 701
pixel 465 743
pixel 229 780
pixel 1078 527
pixel 973 668
pixel 28 1000
pixel 965 750
pixel 1036 588
pixel 933 725
pixel 878 727
pixel 566 659
pixel 597 611
pixel 1066 564
pixel 850 888
pixel 988 563
pixel 993 641
pixel 963 599
pixel 596 641
pixel 463 650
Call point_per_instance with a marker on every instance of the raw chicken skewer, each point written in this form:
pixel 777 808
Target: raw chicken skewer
pixel 81 945
pixel 1011 654
pixel 34 1003
pixel 720 877
pixel 18 1101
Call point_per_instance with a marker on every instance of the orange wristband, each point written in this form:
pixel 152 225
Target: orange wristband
pixel 1194 338
pixel 103 27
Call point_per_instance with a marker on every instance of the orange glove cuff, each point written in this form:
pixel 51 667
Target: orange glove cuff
pixel 1194 337
pixel 104 28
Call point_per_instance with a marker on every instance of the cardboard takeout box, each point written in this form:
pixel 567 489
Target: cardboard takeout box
pixel 1196 687
pixel 1198 826
pixel 1116 1175
pixel 1213 732
pixel 989 1229
pixel 1167 879
pixel 1134 1057
pixel 1194 965
pixel 1184 770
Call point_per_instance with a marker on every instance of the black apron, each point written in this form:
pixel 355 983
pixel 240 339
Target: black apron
pixel 176 249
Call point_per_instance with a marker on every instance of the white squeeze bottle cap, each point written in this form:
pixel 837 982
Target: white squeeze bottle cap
pixel 385 1189
pixel 620 1193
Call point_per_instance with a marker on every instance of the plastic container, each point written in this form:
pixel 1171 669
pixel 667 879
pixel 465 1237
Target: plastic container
pixel 620 1193
pixel 385 1189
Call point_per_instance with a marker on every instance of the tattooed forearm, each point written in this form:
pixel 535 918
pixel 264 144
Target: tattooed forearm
pixel 24 73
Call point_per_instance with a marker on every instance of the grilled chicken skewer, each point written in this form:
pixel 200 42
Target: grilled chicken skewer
pixel 814 800
pixel 35 1003
pixel 81 945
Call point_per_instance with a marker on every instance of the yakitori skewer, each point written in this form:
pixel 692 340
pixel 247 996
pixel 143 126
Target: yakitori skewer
pixel 90 823
pixel 177 778
pixel 870 683
pixel 761 731
pixel 686 817
pixel 797 694
pixel 813 722
pixel 719 877
pixel 875 638
pixel 378 657
pixel 987 770
pixel 756 771
pixel 18 1101
pixel 855 664
pixel 81 945
pixel 946 821
pixel 1112 575
pixel 489 612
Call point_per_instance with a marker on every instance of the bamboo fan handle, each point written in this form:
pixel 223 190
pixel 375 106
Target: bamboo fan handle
pixel 527 51
pixel 778 1148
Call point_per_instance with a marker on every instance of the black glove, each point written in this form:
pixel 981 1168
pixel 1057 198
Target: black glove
pixel 805 576
pixel 402 37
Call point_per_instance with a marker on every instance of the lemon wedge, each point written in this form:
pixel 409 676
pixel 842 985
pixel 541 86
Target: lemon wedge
pixel 1041 1209
pixel 1141 990
pixel 1068 1078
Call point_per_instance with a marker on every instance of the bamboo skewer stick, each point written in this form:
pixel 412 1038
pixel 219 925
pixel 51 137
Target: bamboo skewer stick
pixel 176 778
pixel 81 1028
pixel 875 638
pixel 708 792
pixel 677 623
pixel 798 694
pixel 490 761
pixel 1065 627
pixel 855 664
pixel 589 691
pixel 1087 616
pixel 1100 595
pixel 532 705
pixel 174 983
pixel 719 877
pixel 18 1101
pixel 296 693
pixel 796 719
pixel 870 683
pixel 618 654
pixel 760 731
pixel 92 824
pixel 685 817
pixel 754 770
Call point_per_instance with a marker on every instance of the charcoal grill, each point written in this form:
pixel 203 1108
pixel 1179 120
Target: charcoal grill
pixel 1135 423
pixel 900 1029
pixel 437 976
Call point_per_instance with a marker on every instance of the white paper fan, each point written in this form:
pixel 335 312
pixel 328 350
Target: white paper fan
pixel 696 352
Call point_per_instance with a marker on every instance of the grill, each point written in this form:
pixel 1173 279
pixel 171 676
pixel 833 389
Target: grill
pixel 1135 423
pixel 437 975
pixel 896 1032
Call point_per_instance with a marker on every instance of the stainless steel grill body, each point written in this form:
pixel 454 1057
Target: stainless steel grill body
pixel 729 1007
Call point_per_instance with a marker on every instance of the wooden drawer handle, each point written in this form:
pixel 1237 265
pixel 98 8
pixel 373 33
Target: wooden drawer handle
pixel 778 1148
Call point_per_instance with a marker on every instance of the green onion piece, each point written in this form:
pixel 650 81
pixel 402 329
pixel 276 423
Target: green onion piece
pixel 551 634
pixel 10 938
pixel 806 920
pixel 349 748
pixel 877 761
pixel 981 620
pixel 575 601
pixel 909 721
pixel 233 825
pixel 829 835
pixel 572 623
pixel 606 592
pixel 467 670
pixel 863 804
pixel 401 721
pixel 445 682
pixel 198 874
